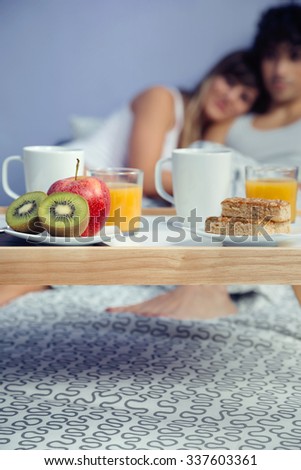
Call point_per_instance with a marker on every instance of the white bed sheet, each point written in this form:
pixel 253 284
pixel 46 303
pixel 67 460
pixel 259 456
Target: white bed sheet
pixel 75 377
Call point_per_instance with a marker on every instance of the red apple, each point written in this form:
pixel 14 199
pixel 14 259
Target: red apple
pixel 96 193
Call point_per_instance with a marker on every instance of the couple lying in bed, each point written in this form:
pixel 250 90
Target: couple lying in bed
pixel 160 119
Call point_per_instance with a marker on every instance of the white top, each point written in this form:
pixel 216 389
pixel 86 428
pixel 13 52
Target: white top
pixel 108 146
pixel 280 146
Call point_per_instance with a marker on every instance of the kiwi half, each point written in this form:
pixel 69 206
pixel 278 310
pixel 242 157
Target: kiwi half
pixel 22 213
pixel 64 214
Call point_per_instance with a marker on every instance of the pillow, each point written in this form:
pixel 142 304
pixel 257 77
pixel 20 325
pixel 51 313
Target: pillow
pixel 84 126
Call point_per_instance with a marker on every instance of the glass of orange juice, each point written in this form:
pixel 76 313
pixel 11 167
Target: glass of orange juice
pixel 273 183
pixel 126 188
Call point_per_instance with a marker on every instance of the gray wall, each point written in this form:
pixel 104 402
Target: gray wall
pixel 87 57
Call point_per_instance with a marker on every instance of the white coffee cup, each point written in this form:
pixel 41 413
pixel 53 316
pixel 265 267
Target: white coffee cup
pixel 43 165
pixel 201 180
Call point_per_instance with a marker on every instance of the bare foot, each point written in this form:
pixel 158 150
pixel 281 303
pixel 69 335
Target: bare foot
pixel 297 290
pixel 11 292
pixel 185 303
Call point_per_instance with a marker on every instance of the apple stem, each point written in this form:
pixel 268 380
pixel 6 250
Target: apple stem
pixel 76 169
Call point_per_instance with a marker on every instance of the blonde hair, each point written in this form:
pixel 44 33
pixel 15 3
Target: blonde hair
pixel 239 67
pixel 193 117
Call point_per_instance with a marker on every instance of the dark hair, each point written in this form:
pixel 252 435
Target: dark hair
pixel 278 25
pixel 238 67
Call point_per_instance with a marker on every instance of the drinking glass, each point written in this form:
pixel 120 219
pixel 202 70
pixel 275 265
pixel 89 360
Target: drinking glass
pixel 126 188
pixel 273 183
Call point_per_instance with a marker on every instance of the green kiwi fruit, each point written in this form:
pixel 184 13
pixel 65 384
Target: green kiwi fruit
pixel 64 214
pixel 22 213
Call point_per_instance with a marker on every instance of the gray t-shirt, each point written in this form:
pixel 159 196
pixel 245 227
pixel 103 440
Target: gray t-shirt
pixel 280 146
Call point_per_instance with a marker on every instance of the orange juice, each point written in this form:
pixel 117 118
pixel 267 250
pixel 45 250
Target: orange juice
pixel 126 202
pixel 274 188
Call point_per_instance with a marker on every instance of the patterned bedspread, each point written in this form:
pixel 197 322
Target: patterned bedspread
pixel 74 377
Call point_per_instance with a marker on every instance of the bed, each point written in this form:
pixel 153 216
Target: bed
pixel 76 377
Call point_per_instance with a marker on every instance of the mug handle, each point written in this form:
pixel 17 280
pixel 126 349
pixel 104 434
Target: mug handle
pixel 158 181
pixel 5 176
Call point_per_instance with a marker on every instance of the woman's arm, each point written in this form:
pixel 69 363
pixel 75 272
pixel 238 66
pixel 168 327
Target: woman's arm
pixel 154 116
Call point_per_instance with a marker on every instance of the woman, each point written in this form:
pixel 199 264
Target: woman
pixel 161 119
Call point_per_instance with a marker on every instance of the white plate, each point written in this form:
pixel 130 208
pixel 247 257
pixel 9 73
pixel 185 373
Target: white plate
pixel 157 231
pixel 162 235
pixel 276 239
pixel 46 239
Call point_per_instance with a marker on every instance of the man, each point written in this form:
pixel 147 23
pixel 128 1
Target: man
pixel 272 136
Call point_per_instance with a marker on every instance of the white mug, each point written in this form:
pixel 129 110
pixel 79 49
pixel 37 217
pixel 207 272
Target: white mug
pixel 43 165
pixel 201 179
